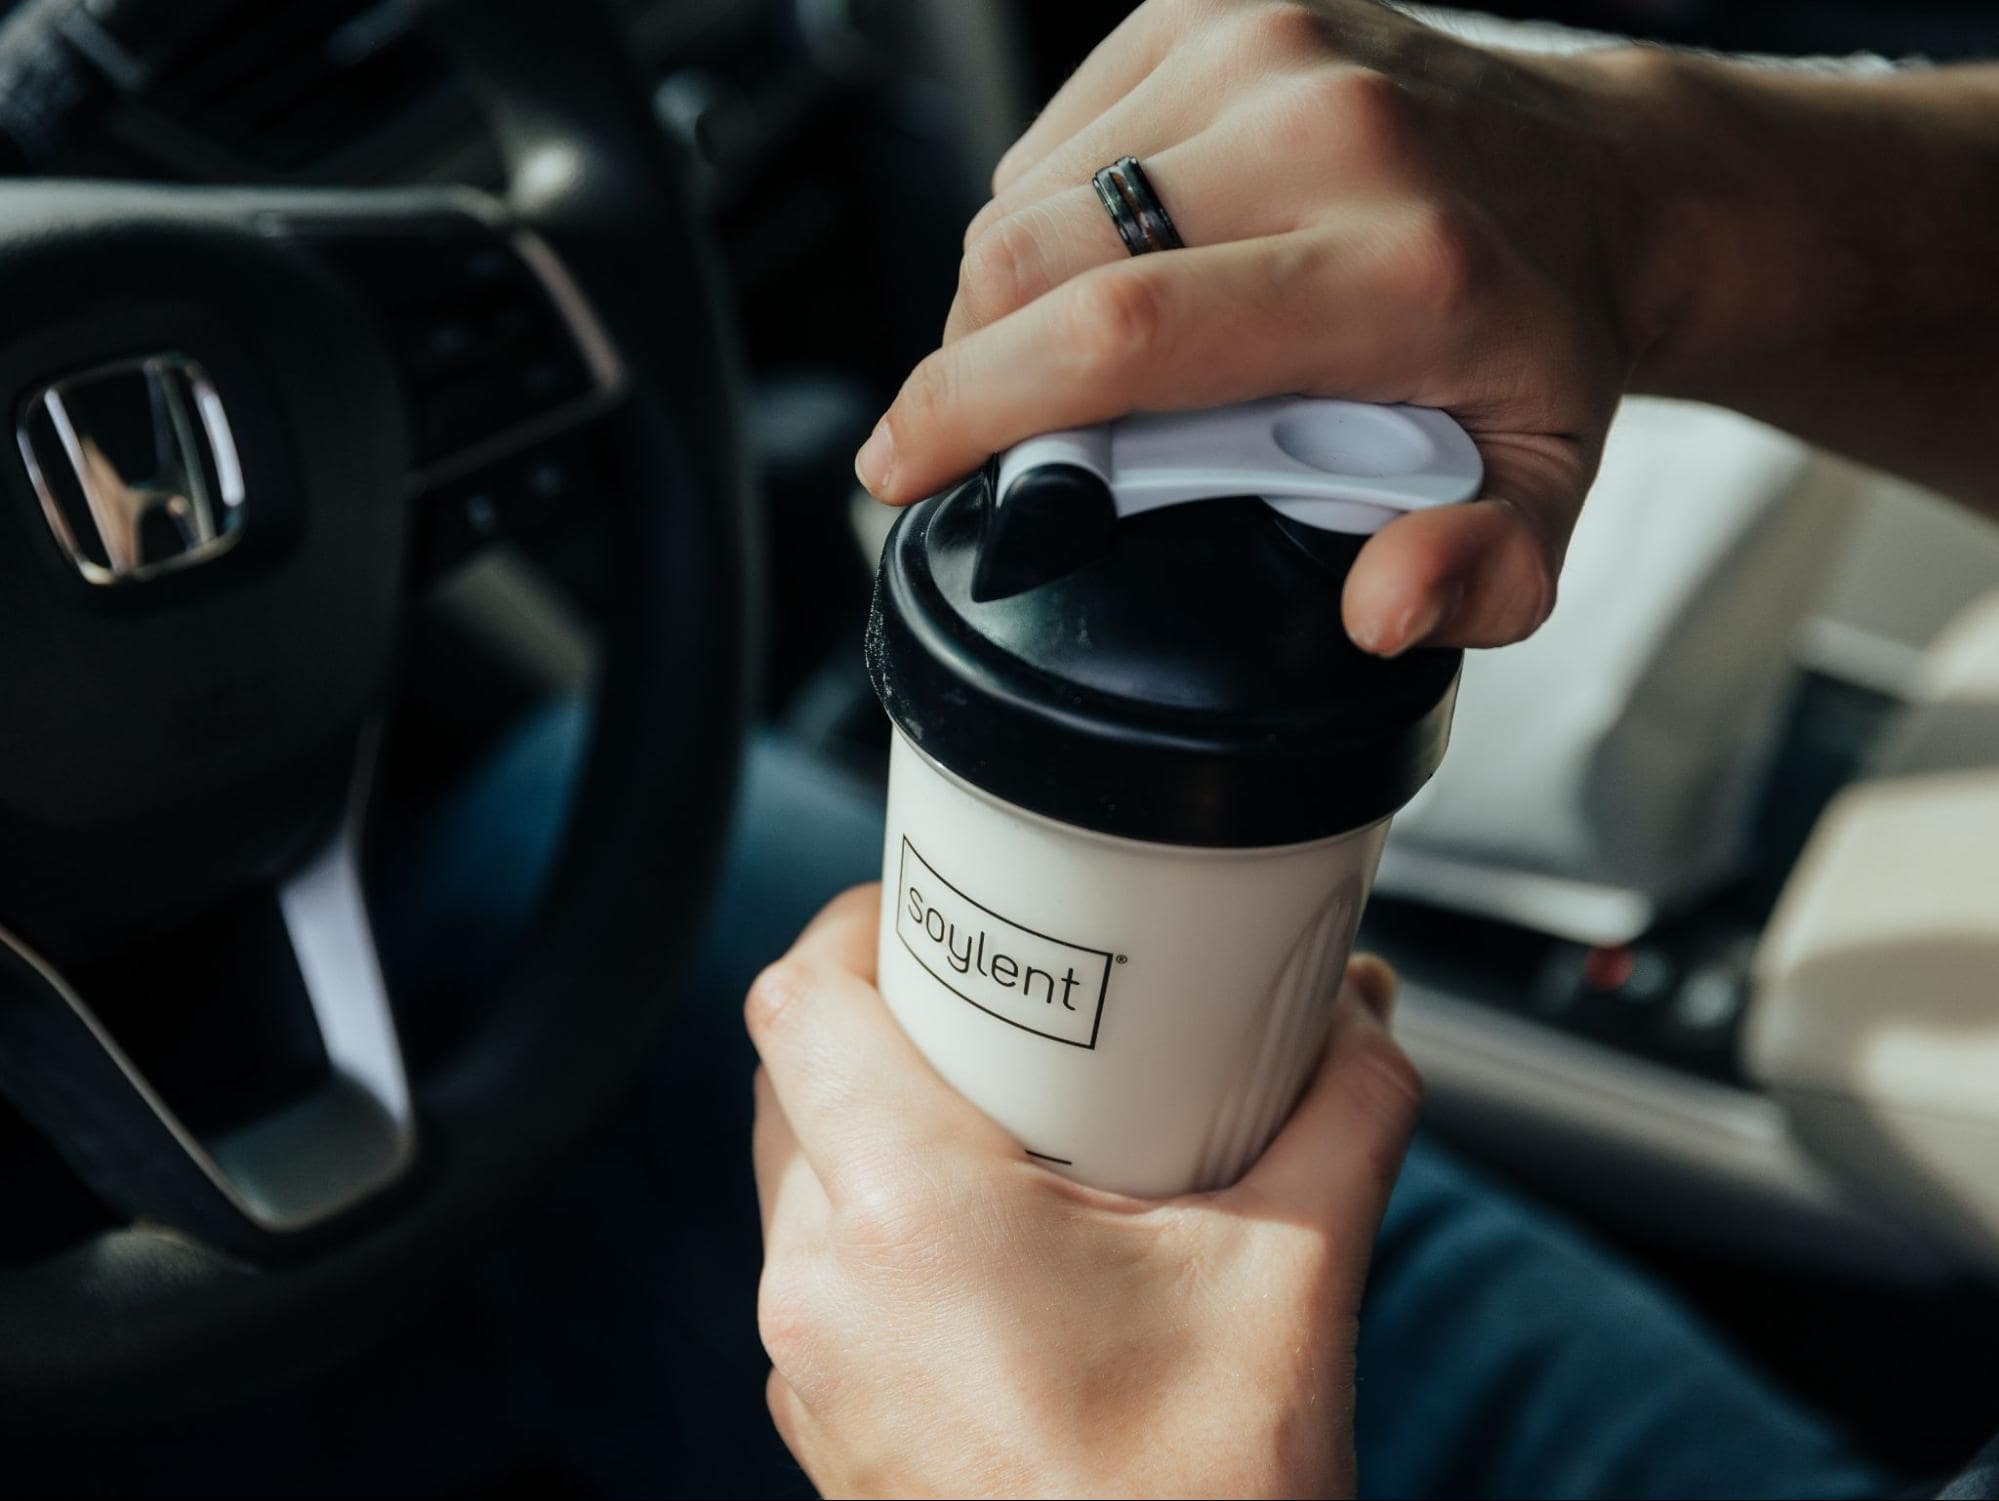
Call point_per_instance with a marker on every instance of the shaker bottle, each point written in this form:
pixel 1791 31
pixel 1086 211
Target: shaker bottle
pixel 1140 777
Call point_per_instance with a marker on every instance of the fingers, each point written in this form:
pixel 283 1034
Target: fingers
pixel 1019 257
pixel 1336 1159
pixel 1218 186
pixel 1160 113
pixel 851 1085
pixel 1327 314
pixel 1341 313
pixel 1114 69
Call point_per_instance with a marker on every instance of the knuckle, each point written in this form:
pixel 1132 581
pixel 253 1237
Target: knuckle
pixel 1538 546
pixel 987 216
pixel 1309 1268
pixel 860 902
pixel 1353 117
pixel 1298 124
pixel 992 278
pixel 1537 602
pixel 778 1402
pixel 882 1216
pixel 1549 595
pixel 788 1315
pixel 1285 28
pixel 1441 259
pixel 1395 1083
pixel 1368 114
pixel 1387 1092
pixel 1117 322
pixel 925 397
pixel 1294 262
pixel 1181 16
pixel 776 994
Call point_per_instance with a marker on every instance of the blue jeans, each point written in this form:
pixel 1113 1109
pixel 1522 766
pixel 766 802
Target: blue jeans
pixel 1502 1351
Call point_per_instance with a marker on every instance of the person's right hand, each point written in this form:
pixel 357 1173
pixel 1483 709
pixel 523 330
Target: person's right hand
pixel 948 1317
pixel 1373 210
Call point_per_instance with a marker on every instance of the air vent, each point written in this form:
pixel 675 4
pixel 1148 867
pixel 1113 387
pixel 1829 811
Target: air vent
pixel 287 85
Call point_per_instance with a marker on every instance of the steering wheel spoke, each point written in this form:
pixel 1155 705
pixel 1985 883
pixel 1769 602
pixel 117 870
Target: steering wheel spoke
pixel 244 1185
pixel 401 374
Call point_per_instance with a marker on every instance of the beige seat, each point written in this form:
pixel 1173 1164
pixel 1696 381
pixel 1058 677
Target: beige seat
pixel 1601 772
pixel 1876 1014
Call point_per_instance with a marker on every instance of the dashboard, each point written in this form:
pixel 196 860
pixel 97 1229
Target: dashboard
pixel 315 91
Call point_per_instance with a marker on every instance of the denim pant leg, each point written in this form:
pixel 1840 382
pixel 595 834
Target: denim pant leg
pixel 1502 1353
pixel 624 1296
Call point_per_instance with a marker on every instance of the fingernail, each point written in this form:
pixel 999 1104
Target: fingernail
pixel 875 463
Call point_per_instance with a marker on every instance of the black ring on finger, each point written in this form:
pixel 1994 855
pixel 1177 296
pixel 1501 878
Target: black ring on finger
pixel 1141 219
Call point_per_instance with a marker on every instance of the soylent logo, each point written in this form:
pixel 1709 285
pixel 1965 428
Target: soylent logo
pixel 1026 979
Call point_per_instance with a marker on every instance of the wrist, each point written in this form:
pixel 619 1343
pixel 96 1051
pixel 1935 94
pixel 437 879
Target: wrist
pixel 1786 219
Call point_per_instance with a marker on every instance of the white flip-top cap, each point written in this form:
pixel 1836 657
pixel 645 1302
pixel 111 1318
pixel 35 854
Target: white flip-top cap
pixel 1343 466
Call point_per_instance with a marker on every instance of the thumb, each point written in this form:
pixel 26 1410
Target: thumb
pixel 1336 1159
pixel 1481 574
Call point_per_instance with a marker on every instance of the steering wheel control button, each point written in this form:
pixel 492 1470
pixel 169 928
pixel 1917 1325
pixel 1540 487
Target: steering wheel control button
pixel 481 515
pixel 486 348
pixel 1140 778
pixel 513 498
pixel 136 468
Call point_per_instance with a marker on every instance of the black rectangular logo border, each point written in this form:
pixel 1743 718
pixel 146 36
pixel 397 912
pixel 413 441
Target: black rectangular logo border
pixel 1109 958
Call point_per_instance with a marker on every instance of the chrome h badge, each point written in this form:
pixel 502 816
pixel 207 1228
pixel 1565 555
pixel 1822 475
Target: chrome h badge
pixel 136 468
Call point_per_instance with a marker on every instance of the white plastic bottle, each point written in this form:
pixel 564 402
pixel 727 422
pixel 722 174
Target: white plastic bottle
pixel 1140 776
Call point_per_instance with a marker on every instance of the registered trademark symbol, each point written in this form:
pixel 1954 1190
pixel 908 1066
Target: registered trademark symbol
pixel 1121 959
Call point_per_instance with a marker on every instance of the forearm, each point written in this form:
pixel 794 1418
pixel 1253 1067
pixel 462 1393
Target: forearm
pixel 1822 253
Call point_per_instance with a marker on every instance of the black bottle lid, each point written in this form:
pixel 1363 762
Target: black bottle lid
pixel 1178 676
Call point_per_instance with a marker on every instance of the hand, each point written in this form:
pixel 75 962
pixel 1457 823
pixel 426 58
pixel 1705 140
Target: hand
pixel 947 1317
pixel 1373 210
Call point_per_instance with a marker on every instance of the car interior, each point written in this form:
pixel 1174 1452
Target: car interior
pixel 545 334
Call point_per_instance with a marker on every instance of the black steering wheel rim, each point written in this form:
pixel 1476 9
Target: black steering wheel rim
pixel 144 1320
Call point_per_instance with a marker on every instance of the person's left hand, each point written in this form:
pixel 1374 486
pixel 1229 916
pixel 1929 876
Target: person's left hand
pixel 946 1317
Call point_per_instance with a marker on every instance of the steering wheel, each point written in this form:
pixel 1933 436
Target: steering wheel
pixel 235 458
